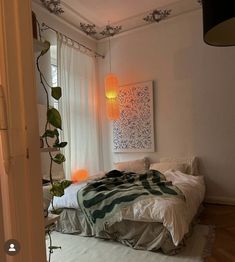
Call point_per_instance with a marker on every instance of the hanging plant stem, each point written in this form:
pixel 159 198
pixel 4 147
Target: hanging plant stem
pixel 53 120
pixel 46 125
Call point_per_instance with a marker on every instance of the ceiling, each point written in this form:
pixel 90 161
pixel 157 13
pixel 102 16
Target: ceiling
pixel 101 11
pixel 127 14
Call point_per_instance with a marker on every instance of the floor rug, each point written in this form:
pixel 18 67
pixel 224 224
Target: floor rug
pixel 75 248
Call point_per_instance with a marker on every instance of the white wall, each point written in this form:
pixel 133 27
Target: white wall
pixel 194 96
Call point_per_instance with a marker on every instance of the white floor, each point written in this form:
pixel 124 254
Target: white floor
pixel 84 249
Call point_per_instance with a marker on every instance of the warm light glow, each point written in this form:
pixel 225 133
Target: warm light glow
pixel 113 111
pixel 79 175
pixel 111 86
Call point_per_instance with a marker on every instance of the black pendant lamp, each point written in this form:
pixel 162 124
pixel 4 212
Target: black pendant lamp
pixel 219 22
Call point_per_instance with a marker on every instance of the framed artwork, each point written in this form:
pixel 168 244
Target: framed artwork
pixel 134 131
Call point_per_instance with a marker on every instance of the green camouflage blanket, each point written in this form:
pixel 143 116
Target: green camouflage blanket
pixel 101 200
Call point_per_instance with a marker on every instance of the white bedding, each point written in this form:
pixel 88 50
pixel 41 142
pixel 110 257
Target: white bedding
pixel 175 214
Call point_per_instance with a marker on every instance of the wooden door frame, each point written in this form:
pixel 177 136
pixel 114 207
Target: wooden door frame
pixel 22 197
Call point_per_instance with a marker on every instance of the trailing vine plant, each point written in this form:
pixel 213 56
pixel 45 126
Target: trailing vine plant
pixel 51 130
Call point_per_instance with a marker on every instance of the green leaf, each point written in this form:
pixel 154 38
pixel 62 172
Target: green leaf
pixel 57 189
pixel 59 158
pixel 49 133
pixel 47 47
pixel 54 118
pixel 60 145
pixel 63 144
pixel 66 183
pixel 56 92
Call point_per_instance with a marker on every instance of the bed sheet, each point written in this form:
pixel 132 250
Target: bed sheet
pixel 174 213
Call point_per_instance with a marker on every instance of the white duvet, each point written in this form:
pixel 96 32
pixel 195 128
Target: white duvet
pixel 175 214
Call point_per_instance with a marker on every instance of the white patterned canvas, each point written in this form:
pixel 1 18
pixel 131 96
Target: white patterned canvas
pixel 134 132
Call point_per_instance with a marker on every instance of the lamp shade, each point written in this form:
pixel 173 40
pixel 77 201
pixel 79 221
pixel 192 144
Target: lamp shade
pixel 113 111
pixel 219 22
pixel 111 86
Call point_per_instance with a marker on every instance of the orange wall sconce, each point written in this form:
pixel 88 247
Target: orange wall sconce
pixel 79 175
pixel 113 110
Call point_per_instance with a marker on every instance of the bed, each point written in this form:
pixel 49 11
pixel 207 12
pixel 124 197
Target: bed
pixel 149 222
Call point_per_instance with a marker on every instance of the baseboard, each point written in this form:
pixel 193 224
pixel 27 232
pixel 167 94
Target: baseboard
pixel 220 200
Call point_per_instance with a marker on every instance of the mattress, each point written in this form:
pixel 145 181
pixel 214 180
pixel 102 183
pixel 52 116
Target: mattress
pixel 150 224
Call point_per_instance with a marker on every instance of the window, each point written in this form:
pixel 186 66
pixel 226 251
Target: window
pixel 54 80
pixel 54 74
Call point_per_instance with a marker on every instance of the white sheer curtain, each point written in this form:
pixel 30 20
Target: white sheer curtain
pixel 78 108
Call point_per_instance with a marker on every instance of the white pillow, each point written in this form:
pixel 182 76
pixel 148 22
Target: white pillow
pixel 164 166
pixel 136 166
pixel 190 162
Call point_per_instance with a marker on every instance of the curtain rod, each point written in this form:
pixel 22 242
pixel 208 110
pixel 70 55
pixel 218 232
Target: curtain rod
pixel 87 48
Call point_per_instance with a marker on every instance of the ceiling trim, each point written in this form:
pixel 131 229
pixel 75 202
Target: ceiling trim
pixel 136 29
pixel 61 19
pixel 79 22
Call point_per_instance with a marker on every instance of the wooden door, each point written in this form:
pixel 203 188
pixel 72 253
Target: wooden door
pixel 20 181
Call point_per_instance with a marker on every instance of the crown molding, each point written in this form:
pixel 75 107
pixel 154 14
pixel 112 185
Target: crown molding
pixel 36 4
pixel 78 21
pixel 138 28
